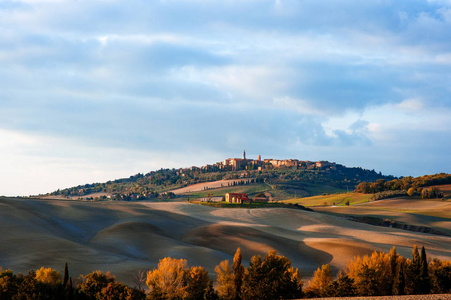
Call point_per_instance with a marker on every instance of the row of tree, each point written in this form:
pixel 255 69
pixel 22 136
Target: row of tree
pixel 383 274
pixel 271 277
pixel 414 184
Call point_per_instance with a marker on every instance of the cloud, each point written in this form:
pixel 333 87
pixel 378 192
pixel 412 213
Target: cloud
pixel 293 78
pixel 410 105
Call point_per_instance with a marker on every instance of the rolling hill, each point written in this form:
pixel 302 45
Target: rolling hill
pixel 124 237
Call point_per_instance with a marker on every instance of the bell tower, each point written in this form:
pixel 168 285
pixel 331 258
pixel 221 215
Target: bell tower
pixel 244 154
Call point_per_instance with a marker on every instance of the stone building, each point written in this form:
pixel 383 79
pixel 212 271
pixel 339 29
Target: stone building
pixel 236 198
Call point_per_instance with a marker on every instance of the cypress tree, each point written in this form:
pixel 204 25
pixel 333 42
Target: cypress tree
pixel 399 284
pixel 66 275
pixel 68 293
pixel 424 280
pixel 238 271
pixel 414 273
pixel 393 266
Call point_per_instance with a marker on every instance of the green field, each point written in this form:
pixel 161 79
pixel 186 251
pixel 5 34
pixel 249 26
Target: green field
pixel 250 189
pixel 332 199
pixel 279 192
pixel 251 205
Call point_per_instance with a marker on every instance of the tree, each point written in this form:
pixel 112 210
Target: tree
pixel 424 280
pixel 399 284
pixel 139 279
pixel 342 287
pixel 94 283
pixel 8 284
pixel 271 278
pixel 210 293
pixel 198 282
pixel 411 192
pixel 393 257
pixel 119 291
pixel 169 280
pixel 371 274
pixel 66 274
pixel 320 281
pixel 424 193
pixel 225 280
pixel 28 288
pixel 440 276
pixel 48 276
pixel 238 272
pixel 413 285
pixel 68 290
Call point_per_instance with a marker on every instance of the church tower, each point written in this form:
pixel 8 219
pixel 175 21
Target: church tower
pixel 244 154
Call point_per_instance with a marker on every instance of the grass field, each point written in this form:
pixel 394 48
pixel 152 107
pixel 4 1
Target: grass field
pixel 249 189
pixel 278 191
pixel 332 199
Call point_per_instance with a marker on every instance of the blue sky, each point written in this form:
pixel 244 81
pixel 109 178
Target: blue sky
pixel 97 90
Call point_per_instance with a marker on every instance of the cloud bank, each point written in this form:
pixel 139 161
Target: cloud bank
pixel 93 90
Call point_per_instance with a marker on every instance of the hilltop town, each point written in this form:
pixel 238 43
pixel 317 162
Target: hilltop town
pixel 244 163
pixel 285 178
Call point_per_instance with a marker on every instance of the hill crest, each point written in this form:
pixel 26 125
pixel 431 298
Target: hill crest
pixel 299 177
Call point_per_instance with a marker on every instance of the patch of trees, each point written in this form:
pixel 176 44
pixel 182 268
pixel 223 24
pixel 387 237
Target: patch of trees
pixel 270 277
pixel 388 194
pixel 383 274
pixel 412 184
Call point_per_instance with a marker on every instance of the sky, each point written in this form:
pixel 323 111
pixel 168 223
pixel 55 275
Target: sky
pixel 92 91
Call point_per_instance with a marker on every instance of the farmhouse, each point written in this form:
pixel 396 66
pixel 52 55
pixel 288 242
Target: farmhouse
pixel 237 198
pixel 243 198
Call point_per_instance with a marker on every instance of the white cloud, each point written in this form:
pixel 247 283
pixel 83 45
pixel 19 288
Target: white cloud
pixel 256 82
pixel 33 164
pixel 411 105
pixel 304 107
pixel 149 74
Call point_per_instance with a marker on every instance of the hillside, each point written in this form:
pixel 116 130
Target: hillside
pixel 407 212
pixel 285 182
pixel 124 237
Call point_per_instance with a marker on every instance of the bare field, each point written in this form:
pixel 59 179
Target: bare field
pixel 124 237
pixel 431 213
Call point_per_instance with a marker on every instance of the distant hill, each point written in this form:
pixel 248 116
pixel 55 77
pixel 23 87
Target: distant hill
pixel 295 178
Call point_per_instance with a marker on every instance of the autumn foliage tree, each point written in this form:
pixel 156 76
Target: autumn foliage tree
pixel 342 287
pixel 271 278
pixel 198 283
pixel 169 280
pixel 238 273
pixel 440 272
pixel 48 276
pixel 321 279
pixel 373 275
pixel 225 280
pixel 173 279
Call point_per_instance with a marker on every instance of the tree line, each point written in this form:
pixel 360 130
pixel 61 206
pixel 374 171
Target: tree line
pixel 411 185
pixel 267 278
